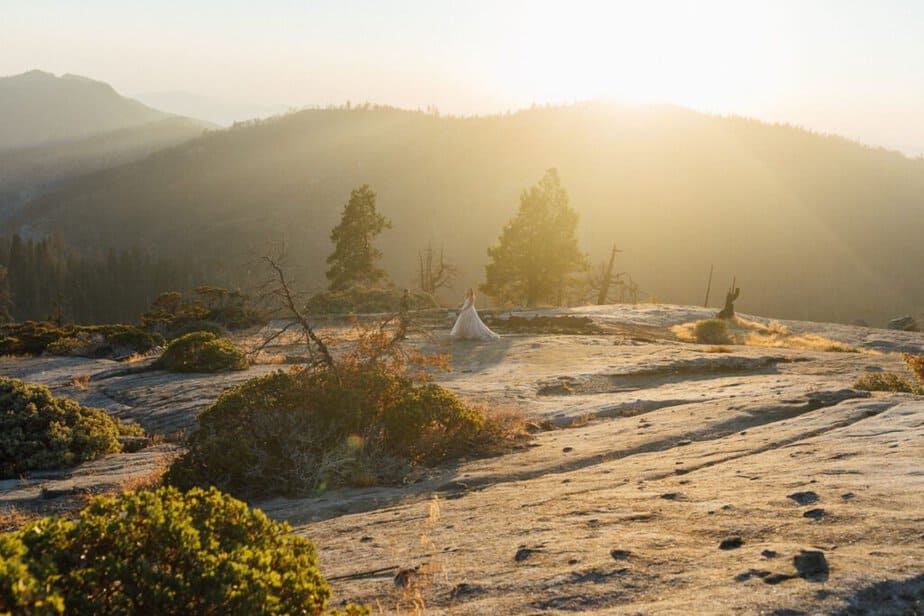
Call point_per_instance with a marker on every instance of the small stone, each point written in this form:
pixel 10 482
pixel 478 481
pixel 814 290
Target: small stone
pixel 811 565
pixel 776 578
pixel 747 575
pixel 567 449
pixel 848 496
pixel 731 543
pixel 804 498
pixel 814 514
pixel 522 554
pixel 672 496
pixel 365 539
pixel 769 554
pixel 620 554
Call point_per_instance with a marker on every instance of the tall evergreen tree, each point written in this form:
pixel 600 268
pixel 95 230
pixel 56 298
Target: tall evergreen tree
pixel 354 258
pixel 5 302
pixel 538 249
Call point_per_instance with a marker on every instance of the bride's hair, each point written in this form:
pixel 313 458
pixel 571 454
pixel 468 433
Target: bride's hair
pixel 470 293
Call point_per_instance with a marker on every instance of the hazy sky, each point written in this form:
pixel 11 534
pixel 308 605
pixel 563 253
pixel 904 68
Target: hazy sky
pixel 850 67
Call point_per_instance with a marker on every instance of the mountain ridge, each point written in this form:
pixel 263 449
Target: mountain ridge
pixel 53 129
pixel 813 226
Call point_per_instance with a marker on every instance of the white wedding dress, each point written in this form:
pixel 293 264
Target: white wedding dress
pixel 469 325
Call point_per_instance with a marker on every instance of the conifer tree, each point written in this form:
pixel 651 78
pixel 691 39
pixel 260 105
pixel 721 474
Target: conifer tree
pixel 354 258
pixel 538 249
pixel 5 301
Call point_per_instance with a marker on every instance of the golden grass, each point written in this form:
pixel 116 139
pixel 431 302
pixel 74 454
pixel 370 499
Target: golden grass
pixel 81 382
pixel 774 335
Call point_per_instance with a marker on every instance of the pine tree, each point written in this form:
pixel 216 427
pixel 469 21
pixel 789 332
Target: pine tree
pixel 354 258
pixel 538 249
pixel 5 302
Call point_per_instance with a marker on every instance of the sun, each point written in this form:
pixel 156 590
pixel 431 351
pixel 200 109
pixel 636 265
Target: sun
pixel 716 58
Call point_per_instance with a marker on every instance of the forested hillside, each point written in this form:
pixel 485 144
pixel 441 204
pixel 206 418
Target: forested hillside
pixel 27 173
pixel 53 129
pixel 813 226
pixel 46 281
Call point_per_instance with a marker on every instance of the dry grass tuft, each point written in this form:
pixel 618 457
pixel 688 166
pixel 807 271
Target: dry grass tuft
pixel 916 365
pixel 774 335
pixel 717 349
pixel 886 381
pixel 265 358
pixel 81 382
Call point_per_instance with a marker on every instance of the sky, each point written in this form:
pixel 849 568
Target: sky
pixel 841 66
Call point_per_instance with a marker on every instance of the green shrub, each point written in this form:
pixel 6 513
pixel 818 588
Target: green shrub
pixel 162 552
pixel 916 365
pixel 366 300
pixel 174 313
pixel 884 381
pixel 429 424
pixel 41 432
pixel 36 337
pixel 130 337
pixel 712 331
pixel 189 327
pixel 294 432
pixel 201 352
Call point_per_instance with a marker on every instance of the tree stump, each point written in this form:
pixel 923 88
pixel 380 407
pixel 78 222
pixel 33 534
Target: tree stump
pixel 728 312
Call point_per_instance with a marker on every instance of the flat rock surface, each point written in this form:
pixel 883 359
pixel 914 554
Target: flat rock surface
pixel 665 485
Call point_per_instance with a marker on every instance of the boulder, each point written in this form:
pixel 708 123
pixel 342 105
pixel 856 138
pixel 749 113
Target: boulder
pixel 906 323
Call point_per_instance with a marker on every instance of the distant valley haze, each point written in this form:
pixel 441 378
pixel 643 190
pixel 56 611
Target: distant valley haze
pixel 852 69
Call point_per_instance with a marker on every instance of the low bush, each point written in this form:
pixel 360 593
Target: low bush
pixel 201 352
pixel 41 432
pixel 885 381
pixel 712 331
pixel 174 313
pixel 37 337
pixel 916 365
pixel 295 432
pixel 162 552
pixel 189 327
pixel 367 300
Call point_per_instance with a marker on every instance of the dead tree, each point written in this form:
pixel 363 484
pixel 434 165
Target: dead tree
pixel 728 312
pixel 404 316
pixel 433 275
pixel 708 287
pixel 607 278
pixel 283 292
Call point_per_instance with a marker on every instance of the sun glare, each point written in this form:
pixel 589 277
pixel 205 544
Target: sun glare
pixel 716 59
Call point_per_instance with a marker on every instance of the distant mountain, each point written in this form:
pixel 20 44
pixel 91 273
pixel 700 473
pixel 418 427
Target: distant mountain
pixel 814 227
pixel 37 108
pixel 55 128
pixel 221 112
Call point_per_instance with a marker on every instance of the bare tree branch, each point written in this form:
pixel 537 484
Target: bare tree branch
pixel 311 338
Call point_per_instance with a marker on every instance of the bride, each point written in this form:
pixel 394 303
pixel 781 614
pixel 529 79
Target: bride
pixel 469 325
